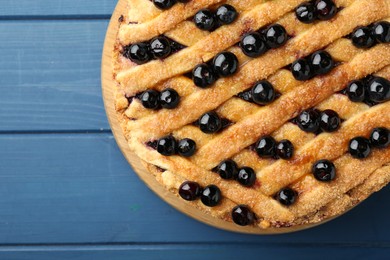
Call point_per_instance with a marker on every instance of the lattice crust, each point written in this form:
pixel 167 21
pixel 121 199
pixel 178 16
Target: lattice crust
pixel 356 179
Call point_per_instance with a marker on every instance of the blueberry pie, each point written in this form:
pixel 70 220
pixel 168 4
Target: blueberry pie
pixel 263 113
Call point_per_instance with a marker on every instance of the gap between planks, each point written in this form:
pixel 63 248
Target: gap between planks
pixel 54 17
pixel 178 246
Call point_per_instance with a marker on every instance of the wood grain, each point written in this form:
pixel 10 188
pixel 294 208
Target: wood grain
pixel 51 82
pixel 193 252
pixel 55 7
pixel 108 89
pixel 79 189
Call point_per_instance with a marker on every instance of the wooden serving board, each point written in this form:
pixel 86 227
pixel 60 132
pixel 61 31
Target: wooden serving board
pixel 108 97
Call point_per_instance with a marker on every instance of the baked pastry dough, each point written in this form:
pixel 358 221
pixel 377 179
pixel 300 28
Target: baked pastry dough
pixel 286 188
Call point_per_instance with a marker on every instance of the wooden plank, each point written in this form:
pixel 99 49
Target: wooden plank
pixel 219 251
pixel 58 7
pixel 79 189
pixel 50 75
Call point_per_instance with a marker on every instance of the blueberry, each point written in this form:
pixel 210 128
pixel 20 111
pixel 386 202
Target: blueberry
pixel 205 20
pixel 137 53
pixel 186 147
pixel 150 99
pixel 275 36
pixel 324 170
pixel 160 47
pixel 381 31
pixel 378 89
pixel 210 123
pixel 356 91
pixel 242 215
pixel 190 190
pixel 380 137
pixel 226 14
pixel 164 4
pixel 203 76
pixel 169 98
pixel 363 37
pixel 306 12
pixel 265 147
pixel 246 176
pixel 225 64
pixel 321 62
pixel 301 70
pixel 359 147
pixel 211 196
pixel 263 93
pixel 329 121
pixel 325 9
pixel 167 145
pixel 227 169
pixel 284 149
pixel 308 121
pixel 253 45
pixel 286 196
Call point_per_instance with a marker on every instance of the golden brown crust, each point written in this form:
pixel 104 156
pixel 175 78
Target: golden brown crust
pixel 356 179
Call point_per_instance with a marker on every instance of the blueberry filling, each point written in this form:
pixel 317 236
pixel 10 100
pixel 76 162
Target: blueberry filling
pixel 356 91
pixel 309 12
pixel 368 36
pixel 150 99
pixel 246 176
pixel 275 36
pixel 324 170
pixel 164 4
pixel 186 147
pixel 227 169
pixel 371 90
pixel 308 121
pixel 378 89
pixel 208 20
pixel 284 149
pixel 261 93
pixel 211 122
pixel 159 47
pixel 153 99
pixel 286 196
pixel 302 70
pixel 381 31
pixel 137 53
pixel 225 64
pixel 203 75
pixel 380 137
pixel 190 190
pixel 265 147
pixel 363 37
pixel 205 20
pixel 359 147
pixel 226 14
pixel 329 121
pixel 325 9
pixel 169 98
pixel 319 63
pixel 211 196
pixel 254 44
pixel 168 146
pixel 242 215
pixel 306 12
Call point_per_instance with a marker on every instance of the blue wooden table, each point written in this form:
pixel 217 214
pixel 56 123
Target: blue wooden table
pixel 66 191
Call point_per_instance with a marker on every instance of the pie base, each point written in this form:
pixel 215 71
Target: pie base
pixel 153 178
